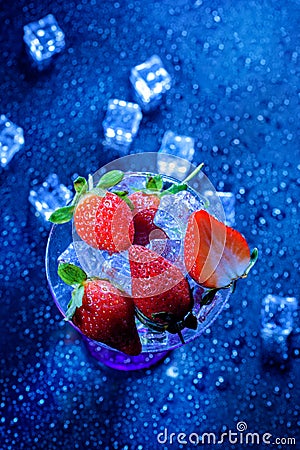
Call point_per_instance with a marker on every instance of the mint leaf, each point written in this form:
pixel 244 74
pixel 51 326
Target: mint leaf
pixel 174 189
pixel 123 196
pixel 76 302
pixel 80 185
pixel 154 183
pixel 208 298
pixel 62 215
pixel 110 179
pixel 71 274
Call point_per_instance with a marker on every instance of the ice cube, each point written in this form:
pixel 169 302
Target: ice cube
pixel 277 314
pixel 90 259
pixel 224 209
pixel 121 124
pixel 49 196
pixel 130 183
pixel 174 145
pixel 11 140
pixel 43 40
pixel 275 347
pixel 228 203
pixel 174 212
pixel 69 256
pixel 116 269
pixel 150 81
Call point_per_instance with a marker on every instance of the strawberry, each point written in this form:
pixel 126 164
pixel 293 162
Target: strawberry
pixel 104 222
pixel 145 207
pixel 160 292
pixel 102 219
pixel 101 311
pixel 215 254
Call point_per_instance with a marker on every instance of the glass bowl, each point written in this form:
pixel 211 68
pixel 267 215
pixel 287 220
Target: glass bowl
pixel 155 345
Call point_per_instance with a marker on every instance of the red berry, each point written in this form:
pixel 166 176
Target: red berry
pixel 215 254
pixel 106 315
pixel 157 285
pixel 145 208
pixel 104 222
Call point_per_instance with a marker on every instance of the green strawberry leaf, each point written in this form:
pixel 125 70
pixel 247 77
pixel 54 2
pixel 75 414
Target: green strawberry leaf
pixel 208 298
pixel 120 193
pixel 154 183
pixel 110 179
pixel 253 259
pixel 174 189
pixel 123 195
pixel 71 274
pixel 62 215
pixel 80 185
pixel 76 302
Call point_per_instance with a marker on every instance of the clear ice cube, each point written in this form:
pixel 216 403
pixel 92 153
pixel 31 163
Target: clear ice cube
pixel 130 183
pixel 121 124
pixel 69 256
pixel 150 81
pixel 174 145
pixel 90 259
pixel 43 40
pixel 11 140
pixel 49 196
pixel 228 202
pixel 116 269
pixel 277 314
pixel 275 347
pixel 174 212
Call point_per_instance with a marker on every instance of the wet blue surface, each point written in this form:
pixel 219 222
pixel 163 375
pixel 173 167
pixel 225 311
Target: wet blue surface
pixel 235 67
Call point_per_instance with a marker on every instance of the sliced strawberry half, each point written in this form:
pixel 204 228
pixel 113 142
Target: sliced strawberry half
pixel 215 254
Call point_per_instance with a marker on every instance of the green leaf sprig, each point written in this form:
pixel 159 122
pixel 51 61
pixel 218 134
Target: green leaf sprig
pixel 82 187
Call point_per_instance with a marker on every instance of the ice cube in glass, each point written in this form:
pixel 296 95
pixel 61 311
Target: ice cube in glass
pixel 180 146
pixel 11 139
pixel 117 270
pixel 121 123
pixel 150 81
pixel 44 39
pixel 49 196
pixel 174 211
pixel 89 258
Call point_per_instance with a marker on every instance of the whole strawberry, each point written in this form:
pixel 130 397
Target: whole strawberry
pixel 101 311
pixel 104 222
pixel 102 219
pixel 160 292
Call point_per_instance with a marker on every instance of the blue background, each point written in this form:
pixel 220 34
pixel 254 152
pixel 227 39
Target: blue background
pixel 235 66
